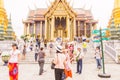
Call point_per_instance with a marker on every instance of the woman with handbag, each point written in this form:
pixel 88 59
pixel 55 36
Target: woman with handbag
pixel 59 62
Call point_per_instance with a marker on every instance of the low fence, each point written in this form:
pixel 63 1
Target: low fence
pixel 114 53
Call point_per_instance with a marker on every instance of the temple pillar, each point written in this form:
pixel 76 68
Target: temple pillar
pixel 34 28
pixel 85 29
pixel 91 29
pixel 49 29
pixel 45 34
pixel 78 28
pixel 28 28
pixel 52 27
pixel 25 29
pixel 68 27
pixel 74 27
pixel 40 29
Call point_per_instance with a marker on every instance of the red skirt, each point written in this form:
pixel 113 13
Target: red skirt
pixel 13 71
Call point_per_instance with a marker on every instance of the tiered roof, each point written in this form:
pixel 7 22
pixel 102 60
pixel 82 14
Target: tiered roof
pixel 40 13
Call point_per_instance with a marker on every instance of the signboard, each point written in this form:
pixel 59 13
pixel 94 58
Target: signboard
pixel 103 34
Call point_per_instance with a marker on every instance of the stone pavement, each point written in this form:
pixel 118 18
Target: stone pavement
pixel 30 72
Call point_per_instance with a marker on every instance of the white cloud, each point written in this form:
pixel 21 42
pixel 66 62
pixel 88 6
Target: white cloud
pixel 101 10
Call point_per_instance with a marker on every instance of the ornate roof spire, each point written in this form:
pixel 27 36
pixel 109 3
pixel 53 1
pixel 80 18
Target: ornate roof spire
pixel 47 4
pixel 116 11
pixel 84 6
pixel 9 23
pixel 1 4
pixel 10 17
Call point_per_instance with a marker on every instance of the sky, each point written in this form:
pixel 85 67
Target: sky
pixel 101 10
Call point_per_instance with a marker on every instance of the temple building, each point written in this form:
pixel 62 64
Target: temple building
pixel 6 31
pixel 114 22
pixel 59 20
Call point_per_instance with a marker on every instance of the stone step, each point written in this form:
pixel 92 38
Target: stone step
pixel 85 61
pixel 88 59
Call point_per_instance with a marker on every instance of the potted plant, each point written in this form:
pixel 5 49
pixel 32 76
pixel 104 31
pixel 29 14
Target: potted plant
pixel 5 57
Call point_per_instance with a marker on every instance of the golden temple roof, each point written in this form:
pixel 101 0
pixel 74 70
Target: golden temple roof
pixel 40 13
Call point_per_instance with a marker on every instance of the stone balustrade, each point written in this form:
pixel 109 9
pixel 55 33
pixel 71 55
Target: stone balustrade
pixel 113 52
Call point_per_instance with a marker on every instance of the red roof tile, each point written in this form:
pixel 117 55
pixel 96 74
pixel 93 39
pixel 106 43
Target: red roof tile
pixel 39 14
pixel 40 11
pixel 79 11
pixel 31 13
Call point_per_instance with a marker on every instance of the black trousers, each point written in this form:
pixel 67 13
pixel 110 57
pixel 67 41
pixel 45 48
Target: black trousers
pixel 36 54
pixel 58 74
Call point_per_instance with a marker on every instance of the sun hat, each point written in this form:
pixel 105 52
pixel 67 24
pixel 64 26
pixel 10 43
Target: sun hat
pixel 59 48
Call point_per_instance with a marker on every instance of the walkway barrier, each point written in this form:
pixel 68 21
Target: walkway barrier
pixel 114 53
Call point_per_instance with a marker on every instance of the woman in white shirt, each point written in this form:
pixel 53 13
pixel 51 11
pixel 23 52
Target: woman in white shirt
pixel 13 62
pixel 59 61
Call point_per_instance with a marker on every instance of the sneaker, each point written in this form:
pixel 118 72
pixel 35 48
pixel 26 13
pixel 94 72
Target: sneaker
pixel 99 67
pixel 40 74
pixel 77 72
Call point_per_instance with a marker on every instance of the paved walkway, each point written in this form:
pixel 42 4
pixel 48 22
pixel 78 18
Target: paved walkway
pixel 30 72
pixel 90 72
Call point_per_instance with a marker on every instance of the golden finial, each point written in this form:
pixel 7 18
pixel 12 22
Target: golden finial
pixel 116 12
pixel 117 4
pixel 47 4
pixel 72 3
pixel 1 4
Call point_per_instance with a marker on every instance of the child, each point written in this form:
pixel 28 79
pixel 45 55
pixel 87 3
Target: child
pixel 98 57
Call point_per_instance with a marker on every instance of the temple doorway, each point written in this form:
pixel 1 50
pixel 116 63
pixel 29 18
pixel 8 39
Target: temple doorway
pixel 60 27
